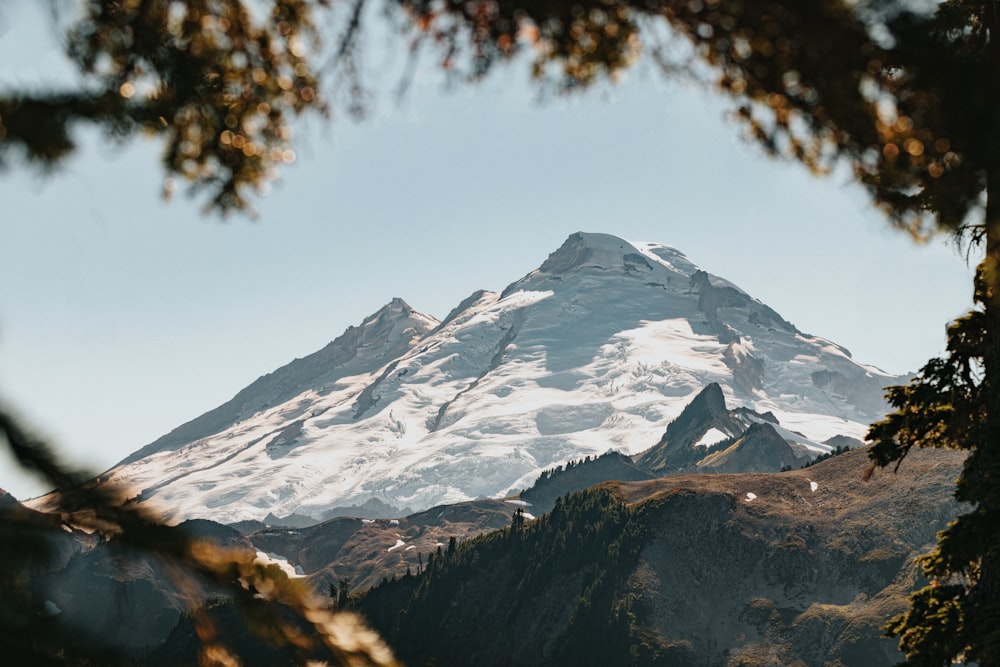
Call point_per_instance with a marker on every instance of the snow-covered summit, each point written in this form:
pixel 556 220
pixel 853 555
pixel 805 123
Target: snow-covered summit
pixel 602 253
pixel 599 348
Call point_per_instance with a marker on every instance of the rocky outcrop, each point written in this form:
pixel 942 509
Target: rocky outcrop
pixel 759 449
pixel 752 445
pixel 706 411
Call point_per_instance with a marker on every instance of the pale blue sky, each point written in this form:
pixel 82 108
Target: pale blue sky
pixel 122 317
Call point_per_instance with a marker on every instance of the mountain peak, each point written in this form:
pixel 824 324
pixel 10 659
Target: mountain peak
pixel 396 306
pixel 582 249
pixel 601 347
pixel 396 319
pixel 584 254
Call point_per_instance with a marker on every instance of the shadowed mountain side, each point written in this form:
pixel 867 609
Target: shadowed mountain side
pixel 67 593
pixel 82 600
pixel 709 437
pixel 579 475
pixel 748 569
pixel 759 449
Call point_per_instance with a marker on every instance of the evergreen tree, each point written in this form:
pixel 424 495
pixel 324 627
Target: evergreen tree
pixel 953 404
pixel 343 592
pixel 517 521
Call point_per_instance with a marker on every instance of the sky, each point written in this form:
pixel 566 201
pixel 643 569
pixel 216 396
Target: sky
pixel 123 316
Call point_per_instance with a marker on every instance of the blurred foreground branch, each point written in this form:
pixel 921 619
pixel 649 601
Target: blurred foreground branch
pixel 284 610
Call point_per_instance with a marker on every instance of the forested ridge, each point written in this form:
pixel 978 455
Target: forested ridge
pixel 750 569
pixel 589 543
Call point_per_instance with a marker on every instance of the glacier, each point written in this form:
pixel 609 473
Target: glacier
pixel 599 348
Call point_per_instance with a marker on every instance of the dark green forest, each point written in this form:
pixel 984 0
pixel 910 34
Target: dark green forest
pixel 584 549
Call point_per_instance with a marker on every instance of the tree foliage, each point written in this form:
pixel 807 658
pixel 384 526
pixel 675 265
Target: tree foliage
pixel 953 404
pixel 217 80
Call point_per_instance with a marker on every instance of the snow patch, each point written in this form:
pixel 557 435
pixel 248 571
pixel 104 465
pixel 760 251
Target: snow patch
pixel 399 543
pixel 713 436
pixel 794 436
pixel 751 496
pixel 265 558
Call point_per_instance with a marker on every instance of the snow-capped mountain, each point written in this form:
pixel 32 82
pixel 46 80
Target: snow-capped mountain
pixel 599 348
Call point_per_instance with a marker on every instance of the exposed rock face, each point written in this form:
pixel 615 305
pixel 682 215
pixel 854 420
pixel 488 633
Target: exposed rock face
pixel 759 449
pixel 73 594
pixel 677 446
pixel 743 441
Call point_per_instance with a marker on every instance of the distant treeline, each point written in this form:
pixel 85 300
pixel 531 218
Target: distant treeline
pixel 836 451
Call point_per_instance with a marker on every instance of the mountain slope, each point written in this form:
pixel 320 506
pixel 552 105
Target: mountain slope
pixel 802 567
pixel 382 337
pixel 598 349
pixel 709 437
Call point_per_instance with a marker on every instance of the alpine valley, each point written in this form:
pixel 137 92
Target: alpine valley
pixel 598 349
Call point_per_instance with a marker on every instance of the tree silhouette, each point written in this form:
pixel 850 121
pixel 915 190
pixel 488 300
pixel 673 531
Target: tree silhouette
pixel 216 80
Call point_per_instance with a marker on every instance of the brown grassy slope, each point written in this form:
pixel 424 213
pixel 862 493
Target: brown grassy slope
pixel 790 574
pixel 365 551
